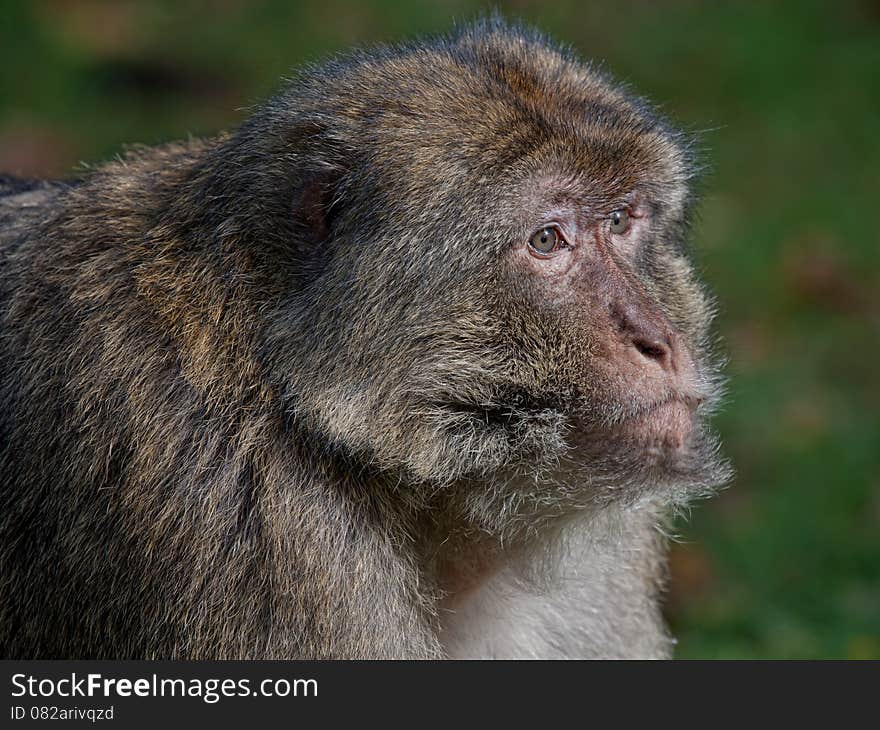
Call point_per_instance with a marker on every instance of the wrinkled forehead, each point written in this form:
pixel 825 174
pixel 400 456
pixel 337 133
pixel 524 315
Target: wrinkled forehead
pixel 602 166
pixel 492 129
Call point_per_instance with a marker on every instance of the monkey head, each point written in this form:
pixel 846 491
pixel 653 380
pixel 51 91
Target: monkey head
pixel 485 274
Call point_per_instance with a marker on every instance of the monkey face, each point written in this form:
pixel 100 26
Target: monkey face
pixel 582 275
pixel 503 274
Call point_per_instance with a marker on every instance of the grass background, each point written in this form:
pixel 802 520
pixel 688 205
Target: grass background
pixel 786 99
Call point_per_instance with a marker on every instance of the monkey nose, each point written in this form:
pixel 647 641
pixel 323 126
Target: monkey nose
pixel 652 339
pixel 655 345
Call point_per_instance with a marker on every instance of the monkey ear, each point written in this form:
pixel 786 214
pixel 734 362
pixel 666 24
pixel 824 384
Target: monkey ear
pixel 315 204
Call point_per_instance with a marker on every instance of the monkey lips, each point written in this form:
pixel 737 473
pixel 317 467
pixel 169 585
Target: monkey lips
pixel 663 428
pixel 663 435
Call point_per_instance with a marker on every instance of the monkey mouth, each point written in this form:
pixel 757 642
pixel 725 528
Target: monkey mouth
pixel 664 427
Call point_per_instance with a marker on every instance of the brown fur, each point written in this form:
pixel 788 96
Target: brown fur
pixel 256 388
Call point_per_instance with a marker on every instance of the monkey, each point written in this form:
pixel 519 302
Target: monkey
pixel 415 363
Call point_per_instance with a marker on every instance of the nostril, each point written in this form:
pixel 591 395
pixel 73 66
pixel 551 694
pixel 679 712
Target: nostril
pixel 651 350
pixel 646 332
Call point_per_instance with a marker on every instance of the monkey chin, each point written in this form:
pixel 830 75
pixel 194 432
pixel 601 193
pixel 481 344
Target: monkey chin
pixel 664 448
pixel 668 449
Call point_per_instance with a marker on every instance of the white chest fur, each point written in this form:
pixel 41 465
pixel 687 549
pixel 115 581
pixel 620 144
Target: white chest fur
pixel 593 593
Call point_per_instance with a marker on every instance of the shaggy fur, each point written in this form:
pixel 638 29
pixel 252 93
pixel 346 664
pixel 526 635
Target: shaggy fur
pixel 289 393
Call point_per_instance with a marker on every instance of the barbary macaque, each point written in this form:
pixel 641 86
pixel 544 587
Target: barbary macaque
pixel 413 364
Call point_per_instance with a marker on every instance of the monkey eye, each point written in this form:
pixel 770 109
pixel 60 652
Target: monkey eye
pixel 546 241
pixel 620 221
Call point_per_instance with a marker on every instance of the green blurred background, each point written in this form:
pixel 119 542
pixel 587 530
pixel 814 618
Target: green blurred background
pixel 785 97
